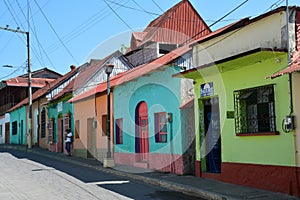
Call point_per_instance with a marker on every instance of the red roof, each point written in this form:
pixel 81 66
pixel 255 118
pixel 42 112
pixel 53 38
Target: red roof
pixel 23 82
pixel 43 91
pixel 293 67
pixel 177 25
pixel 134 73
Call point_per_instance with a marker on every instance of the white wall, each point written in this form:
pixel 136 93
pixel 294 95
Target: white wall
pixel 268 32
pixel 3 119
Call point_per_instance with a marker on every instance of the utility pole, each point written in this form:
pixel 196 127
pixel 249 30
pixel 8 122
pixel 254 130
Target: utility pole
pixel 29 128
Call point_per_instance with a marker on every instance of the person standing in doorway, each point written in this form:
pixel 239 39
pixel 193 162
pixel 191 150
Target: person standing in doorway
pixel 69 139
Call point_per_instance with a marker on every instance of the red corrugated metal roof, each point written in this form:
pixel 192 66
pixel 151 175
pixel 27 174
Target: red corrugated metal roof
pixel 67 90
pixel 293 67
pixel 23 82
pixel 177 25
pixel 43 91
pixel 136 72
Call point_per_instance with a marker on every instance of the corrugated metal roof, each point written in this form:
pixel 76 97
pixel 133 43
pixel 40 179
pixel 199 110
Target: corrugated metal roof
pixel 177 25
pixel 135 73
pixel 43 91
pixel 23 82
pixel 293 67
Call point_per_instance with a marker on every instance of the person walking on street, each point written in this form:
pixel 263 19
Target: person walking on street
pixel 69 139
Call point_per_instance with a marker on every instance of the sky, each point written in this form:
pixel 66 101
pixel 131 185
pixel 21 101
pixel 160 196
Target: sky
pixel 71 32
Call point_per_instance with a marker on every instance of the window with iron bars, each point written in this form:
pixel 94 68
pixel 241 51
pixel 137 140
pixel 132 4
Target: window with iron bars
pixel 255 110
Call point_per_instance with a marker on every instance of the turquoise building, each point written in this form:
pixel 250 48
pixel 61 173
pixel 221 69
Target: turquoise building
pixel 148 119
pixel 18 126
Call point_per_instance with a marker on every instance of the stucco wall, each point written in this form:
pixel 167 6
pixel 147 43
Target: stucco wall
pixel 296 100
pixel 271 150
pixel 3 120
pixel 268 32
pixel 19 115
pixel 161 93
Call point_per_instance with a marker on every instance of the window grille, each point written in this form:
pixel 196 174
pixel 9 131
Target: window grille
pixel 160 127
pixel 255 110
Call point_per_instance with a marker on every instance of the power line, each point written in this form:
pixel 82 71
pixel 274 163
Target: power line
pixel 216 21
pixel 86 25
pixel 118 15
pixel 158 6
pixel 55 32
pixel 141 7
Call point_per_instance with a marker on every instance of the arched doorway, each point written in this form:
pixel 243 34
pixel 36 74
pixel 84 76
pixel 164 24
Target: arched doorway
pixel 141 132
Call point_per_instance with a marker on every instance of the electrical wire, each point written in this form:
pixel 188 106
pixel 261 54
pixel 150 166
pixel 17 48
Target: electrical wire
pixel 86 25
pixel 118 15
pixel 141 7
pixel 46 18
pixel 158 6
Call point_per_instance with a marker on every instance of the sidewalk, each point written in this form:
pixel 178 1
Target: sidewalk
pixel 205 188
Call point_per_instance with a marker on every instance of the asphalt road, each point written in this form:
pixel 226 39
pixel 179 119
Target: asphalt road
pixel 80 181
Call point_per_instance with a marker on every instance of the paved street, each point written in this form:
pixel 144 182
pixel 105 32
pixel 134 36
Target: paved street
pixel 24 175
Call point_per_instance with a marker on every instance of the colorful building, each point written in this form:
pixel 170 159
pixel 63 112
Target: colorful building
pixel 239 112
pixel 90 114
pixel 39 129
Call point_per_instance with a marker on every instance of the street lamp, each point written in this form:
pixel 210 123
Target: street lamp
pixel 108 161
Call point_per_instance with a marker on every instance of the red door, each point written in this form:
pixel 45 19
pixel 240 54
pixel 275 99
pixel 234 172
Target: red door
pixel 142 135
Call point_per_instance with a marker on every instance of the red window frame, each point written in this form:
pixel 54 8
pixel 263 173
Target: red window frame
pixel 161 132
pixel 119 131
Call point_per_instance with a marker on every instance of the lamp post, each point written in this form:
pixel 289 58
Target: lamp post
pixel 108 161
pixel 29 134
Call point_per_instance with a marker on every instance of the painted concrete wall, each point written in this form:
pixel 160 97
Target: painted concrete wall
pixel 92 141
pixel 265 33
pixel 3 120
pixel 296 100
pixel 161 92
pixel 18 115
pixel 268 150
pixel 37 105
pixel 55 112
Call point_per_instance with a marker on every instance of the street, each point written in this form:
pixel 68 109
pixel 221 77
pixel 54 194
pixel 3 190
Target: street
pixel 26 175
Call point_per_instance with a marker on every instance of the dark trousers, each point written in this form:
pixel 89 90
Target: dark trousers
pixel 68 147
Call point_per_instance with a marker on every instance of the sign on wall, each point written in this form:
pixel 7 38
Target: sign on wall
pixel 59 107
pixel 207 89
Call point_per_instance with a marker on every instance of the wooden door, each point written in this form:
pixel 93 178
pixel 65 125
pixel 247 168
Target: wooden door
pixel 142 134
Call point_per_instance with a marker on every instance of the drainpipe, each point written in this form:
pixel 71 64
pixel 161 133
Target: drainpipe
pixel 289 56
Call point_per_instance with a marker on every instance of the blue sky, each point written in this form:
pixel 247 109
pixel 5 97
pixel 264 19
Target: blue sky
pixel 67 32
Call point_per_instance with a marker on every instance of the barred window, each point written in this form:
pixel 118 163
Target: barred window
pixel 43 123
pixel 160 127
pixel 255 110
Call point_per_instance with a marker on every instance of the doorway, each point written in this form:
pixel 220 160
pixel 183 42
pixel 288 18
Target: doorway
pixel 7 130
pixel 212 135
pixel 141 132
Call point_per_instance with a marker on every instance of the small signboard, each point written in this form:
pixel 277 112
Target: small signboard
pixel 207 89
pixel 59 107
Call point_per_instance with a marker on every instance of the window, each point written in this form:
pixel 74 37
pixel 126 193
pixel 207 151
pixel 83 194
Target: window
pixel 1 130
pixel 43 123
pixel 14 127
pixel 104 125
pixel 51 130
pixel 160 127
pixel 67 122
pixel 255 110
pixel 119 131
pixel 77 128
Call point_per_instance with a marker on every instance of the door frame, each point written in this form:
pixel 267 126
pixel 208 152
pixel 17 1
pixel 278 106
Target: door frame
pixel 141 139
